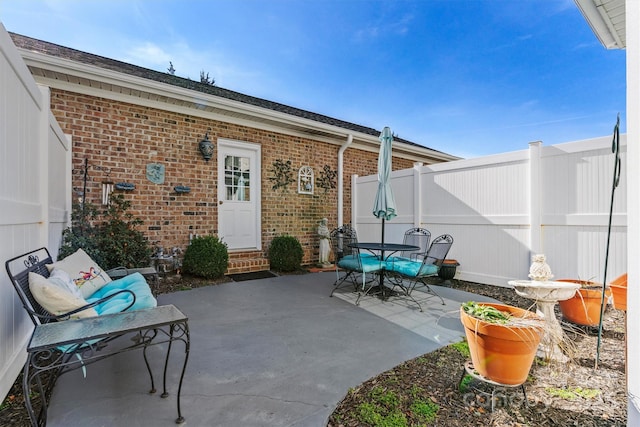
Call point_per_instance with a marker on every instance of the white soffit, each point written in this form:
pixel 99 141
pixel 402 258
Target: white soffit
pixel 607 20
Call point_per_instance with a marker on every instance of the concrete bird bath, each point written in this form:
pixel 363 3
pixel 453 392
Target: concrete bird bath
pixel 546 294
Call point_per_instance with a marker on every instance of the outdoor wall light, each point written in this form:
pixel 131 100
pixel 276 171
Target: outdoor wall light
pixel 206 147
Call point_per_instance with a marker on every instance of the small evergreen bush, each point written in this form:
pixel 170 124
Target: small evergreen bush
pixel 285 253
pixel 206 257
pixel 110 238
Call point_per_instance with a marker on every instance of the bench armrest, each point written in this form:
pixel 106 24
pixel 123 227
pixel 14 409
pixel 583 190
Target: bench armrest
pixel 119 271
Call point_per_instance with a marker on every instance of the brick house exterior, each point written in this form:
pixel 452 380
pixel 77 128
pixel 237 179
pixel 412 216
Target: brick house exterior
pixel 122 118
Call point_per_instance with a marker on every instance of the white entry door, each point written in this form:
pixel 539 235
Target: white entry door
pixel 239 222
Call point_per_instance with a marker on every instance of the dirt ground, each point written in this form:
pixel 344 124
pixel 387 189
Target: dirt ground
pixel 567 394
pixel 557 394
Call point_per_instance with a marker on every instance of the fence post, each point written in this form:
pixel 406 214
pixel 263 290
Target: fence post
pixel 354 200
pixel 43 166
pixel 417 194
pixel 535 208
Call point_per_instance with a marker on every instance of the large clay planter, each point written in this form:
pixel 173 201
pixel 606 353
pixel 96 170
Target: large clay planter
pixel 584 307
pixel 503 353
pixel 619 290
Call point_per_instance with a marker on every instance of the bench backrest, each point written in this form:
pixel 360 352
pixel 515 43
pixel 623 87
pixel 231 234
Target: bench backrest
pixel 18 269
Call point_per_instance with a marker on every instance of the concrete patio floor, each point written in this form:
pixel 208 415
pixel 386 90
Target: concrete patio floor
pixel 268 352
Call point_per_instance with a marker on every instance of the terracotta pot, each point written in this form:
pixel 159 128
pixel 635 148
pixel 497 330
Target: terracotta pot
pixel 584 307
pixel 503 353
pixel 619 290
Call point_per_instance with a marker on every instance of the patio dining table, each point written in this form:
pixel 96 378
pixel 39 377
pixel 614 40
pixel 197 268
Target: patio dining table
pixel 383 251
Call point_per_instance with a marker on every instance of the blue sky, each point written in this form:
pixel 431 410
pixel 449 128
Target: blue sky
pixel 467 77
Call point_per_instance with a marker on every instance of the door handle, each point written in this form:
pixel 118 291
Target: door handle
pixel 220 202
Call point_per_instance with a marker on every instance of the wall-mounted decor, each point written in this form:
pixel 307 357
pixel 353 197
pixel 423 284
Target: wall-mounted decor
pixel 206 147
pixel 107 185
pixel 305 180
pixel 125 186
pixel 107 189
pixel 155 173
pixel 282 174
pixel 181 189
pixel 327 178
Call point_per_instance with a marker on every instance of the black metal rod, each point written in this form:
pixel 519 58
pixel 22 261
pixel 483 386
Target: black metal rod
pixel 616 180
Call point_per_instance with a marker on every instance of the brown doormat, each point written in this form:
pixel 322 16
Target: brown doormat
pixel 240 277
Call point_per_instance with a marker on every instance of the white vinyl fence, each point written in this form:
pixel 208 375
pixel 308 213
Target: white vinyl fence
pixel 501 209
pixel 35 192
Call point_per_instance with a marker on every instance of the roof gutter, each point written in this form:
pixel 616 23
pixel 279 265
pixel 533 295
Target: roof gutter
pixel 341 151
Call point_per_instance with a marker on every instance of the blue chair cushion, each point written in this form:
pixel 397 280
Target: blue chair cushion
pixel 366 265
pixel 399 258
pixel 370 264
pixel 134 282
pixel 412 268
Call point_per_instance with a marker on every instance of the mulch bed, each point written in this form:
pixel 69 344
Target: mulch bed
pixel 557 394
pixel 571 394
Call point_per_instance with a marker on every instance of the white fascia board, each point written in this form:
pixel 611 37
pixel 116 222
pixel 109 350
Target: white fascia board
pixel 115 79
pixel 91 72
pixel 600 24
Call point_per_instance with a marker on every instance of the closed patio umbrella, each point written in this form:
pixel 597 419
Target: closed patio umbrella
pixel 384 206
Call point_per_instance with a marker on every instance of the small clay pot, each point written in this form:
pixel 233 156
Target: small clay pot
pixel 619 290
pixel 584 307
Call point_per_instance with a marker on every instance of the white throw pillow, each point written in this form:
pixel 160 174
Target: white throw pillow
pixel 85 272
pixel 61 279
pixel 56 300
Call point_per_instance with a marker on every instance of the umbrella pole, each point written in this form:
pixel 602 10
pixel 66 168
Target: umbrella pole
pixel 383 230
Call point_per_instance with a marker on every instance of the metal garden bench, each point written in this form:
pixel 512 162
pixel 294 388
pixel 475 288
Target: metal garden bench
pixel 59 345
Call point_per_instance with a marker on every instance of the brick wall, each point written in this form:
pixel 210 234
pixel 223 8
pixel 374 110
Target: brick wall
pixel 123 138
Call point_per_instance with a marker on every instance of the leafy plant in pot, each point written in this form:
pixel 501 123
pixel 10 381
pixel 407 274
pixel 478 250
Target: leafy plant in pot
pixel 502 339
pixel 584 307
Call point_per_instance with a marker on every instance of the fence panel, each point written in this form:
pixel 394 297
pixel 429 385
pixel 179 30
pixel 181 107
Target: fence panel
pixel 576 196
pixel 501 209
pixel 484 204
pixel 35 192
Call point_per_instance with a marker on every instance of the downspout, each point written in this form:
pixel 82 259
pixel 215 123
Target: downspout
pixel 341 151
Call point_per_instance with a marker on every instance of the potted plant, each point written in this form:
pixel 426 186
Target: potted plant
pixel 502 339
pixel 584 307
pixel 619 290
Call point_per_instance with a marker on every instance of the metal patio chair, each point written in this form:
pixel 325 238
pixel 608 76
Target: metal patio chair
pixel 408 274
pixel 351 266
pixel 420 237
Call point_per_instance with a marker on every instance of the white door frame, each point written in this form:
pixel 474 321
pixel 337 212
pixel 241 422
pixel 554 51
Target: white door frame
pixel 255 194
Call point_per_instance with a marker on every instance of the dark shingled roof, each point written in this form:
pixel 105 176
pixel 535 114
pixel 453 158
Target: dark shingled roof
pixel 53 49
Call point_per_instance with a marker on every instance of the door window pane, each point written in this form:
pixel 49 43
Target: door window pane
pixel 237 178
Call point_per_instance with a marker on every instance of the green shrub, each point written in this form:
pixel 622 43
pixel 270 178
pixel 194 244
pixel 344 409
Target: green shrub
pixel 110 237
pixel 206 257
pixel 285 253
